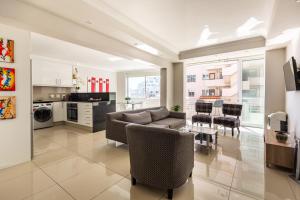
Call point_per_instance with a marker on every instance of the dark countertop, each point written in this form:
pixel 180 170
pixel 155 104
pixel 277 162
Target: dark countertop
pixel 52 101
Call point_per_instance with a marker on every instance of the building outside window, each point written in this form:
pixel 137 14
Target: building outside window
pixel 238 81
pixel 191 78
pixel 143 87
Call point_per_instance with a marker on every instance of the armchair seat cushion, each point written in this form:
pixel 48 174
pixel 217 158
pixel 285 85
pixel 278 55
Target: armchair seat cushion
pixel 227 121
pixel 171 122
pixel 202 118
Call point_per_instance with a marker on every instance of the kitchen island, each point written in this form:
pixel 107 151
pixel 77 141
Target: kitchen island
pixel 85 110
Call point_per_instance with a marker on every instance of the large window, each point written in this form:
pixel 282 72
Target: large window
pixel 142 87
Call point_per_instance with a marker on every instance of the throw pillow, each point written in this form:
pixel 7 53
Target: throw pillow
pixel 138 118
pixel 159 114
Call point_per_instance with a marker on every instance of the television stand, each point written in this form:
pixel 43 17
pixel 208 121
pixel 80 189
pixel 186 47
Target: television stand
pixel 279 154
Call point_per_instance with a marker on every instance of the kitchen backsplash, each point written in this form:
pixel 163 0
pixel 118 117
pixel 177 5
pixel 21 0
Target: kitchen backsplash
pixel 49 93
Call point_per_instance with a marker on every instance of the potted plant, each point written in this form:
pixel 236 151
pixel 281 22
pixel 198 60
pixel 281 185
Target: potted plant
pixel 176 108
pixel 127 99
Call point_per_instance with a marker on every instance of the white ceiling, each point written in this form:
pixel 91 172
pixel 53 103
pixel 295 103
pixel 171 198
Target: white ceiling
pixel 180 22
pixel 44 46
pixel 172 26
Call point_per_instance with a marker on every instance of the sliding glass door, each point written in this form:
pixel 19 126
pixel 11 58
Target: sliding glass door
pixel 253 92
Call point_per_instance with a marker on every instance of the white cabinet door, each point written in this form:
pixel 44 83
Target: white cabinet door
pixel 50 73
pixel 64 111
pixel 65 76
pixel 42 74
pixel 58 111
pixel 85 114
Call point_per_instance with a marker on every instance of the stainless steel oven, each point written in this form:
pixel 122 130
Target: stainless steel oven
pixel 72 112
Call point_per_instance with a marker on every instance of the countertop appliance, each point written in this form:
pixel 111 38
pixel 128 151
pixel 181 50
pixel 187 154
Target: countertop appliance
pixel 42 115
pixel 72 112
pixel 278 121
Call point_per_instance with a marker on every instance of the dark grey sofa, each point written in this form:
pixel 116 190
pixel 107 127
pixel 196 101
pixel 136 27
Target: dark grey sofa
pixel 160 157
pixel 115 122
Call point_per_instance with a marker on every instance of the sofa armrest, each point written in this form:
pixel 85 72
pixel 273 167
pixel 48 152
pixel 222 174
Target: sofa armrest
pixel 117 131
pixel 179 115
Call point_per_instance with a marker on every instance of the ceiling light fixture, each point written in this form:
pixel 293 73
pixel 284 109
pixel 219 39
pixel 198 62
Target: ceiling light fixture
pixel 147 48
pixel 284 37
pixel 205 35
pixel 142 62
pixel 113 59
pixel 246 28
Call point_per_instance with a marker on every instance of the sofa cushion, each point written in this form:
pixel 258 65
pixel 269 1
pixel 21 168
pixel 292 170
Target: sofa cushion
pixel 171 122
pixel 159 114
pixel 158 125
pixel 138 118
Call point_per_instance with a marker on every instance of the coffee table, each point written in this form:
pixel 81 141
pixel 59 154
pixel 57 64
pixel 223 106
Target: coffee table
pixel 202 133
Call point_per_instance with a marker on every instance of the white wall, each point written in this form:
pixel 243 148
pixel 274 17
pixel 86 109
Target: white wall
pixel 85 72
pixel 293 97
pixel 15 134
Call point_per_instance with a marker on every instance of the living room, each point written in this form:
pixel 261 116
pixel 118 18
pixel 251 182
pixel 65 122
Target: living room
pixel 213 114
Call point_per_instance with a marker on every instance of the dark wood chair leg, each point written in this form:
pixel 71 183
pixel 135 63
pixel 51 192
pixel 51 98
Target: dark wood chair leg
pixel 170 193
pixel 209 125
pixel 133 181
pixel 232 132
pixel 191 174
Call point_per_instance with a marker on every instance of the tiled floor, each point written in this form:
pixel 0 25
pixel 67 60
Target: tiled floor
pixel 72 164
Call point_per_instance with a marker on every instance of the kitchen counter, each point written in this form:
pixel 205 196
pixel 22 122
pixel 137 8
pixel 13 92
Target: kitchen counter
pixel 88 115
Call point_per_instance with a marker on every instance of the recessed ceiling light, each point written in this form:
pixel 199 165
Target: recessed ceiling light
pixel 113 59
pixel 205 35
pixel 284 37
pixel 246 28
pixel 147 48
pixel 142 61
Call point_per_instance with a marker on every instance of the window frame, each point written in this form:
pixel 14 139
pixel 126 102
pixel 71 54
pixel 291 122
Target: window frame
pixel 145 88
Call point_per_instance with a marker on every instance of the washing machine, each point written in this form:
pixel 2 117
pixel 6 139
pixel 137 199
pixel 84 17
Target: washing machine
pixel 42 115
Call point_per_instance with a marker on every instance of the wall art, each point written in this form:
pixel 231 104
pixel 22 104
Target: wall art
pixel 6 50
pixel 7 79
pixel 7 107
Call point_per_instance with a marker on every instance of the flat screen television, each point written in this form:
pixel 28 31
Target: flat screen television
pixel 291 75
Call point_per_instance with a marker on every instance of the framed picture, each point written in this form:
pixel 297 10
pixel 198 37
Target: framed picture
pixel 7 107
pixel 212 76
pixel 6 50
pixel 7 79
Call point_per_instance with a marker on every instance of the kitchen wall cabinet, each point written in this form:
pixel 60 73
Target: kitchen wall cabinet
pixel 51 73
pixel 59 111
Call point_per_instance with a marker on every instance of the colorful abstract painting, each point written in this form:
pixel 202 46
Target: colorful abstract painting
pixel 7 107
pixel 7 79
pixel 6 50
